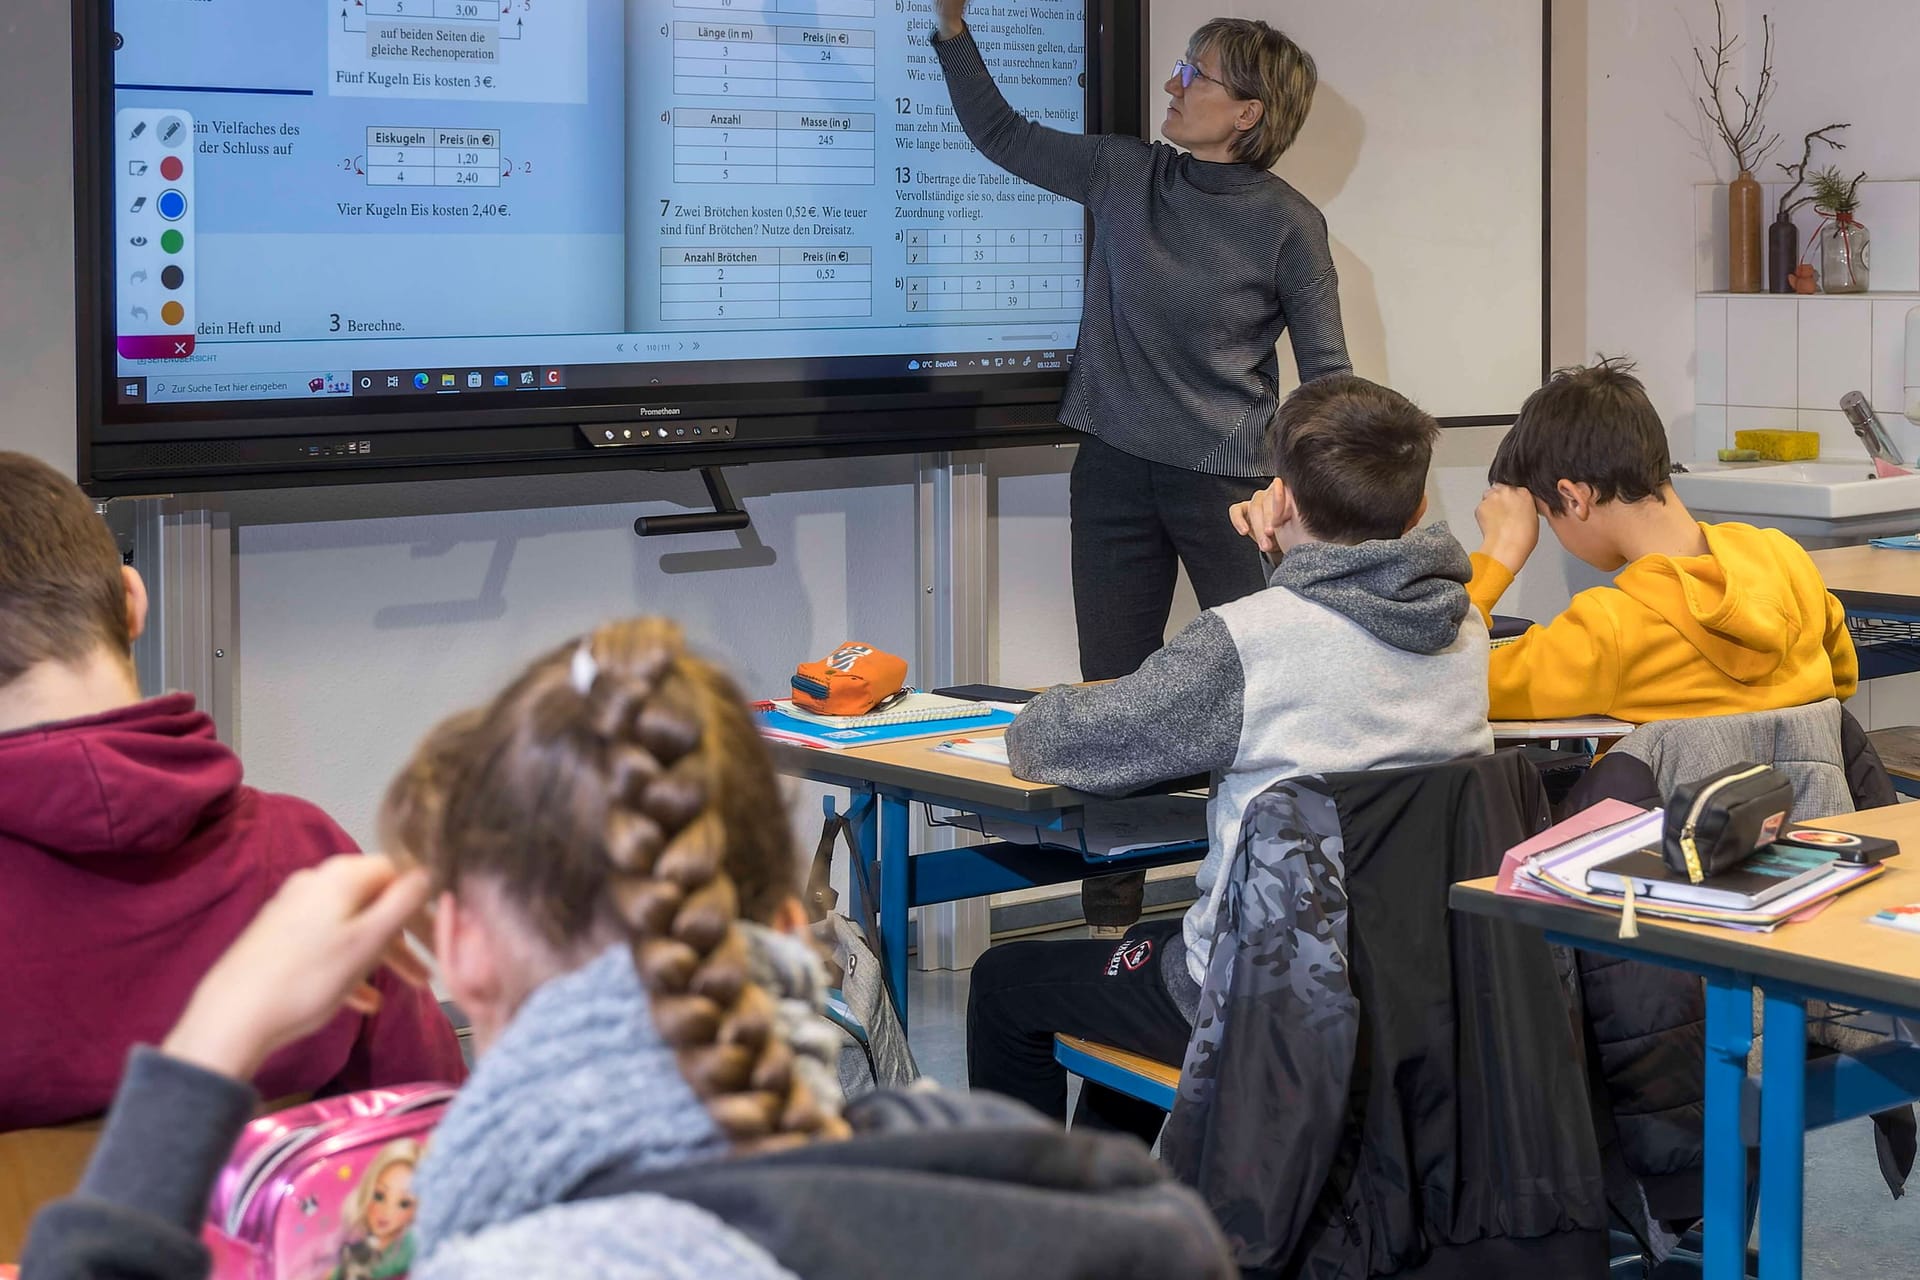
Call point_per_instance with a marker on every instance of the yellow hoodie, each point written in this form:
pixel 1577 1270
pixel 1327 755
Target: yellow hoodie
pixel 1750 626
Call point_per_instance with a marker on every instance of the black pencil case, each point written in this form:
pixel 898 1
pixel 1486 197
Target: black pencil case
pixel 1721 820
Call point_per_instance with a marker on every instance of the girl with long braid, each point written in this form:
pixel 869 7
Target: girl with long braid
pixel 616 798
pixel 602 838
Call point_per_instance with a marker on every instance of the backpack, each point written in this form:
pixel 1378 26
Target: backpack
pixel 323 1191
pixel 874 1053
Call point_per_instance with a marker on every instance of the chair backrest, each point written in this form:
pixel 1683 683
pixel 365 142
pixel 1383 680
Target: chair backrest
pixel 1417 1071
pixel 1819 747
pixel 38 1166
pixel 1801 742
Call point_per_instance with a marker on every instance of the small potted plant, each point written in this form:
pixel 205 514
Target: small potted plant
pixel 1843 239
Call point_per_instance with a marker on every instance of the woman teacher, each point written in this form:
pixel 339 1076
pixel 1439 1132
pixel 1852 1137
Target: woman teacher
pixel 1200 260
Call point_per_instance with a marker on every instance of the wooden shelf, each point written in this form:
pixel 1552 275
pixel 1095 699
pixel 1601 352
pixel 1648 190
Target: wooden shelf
pixel 1869 296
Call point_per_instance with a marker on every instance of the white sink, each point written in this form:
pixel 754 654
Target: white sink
pixel 1827 489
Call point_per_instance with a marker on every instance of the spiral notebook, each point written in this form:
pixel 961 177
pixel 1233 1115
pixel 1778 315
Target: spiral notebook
pixel 910 709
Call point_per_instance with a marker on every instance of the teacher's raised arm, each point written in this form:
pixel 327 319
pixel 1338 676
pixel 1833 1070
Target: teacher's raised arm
pixel 1200 259
pixel 1063 163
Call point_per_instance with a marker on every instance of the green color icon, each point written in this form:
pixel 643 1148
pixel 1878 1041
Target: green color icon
pixel 171 241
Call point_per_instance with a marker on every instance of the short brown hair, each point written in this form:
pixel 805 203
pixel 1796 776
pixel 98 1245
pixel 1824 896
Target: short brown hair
pixel 1591 424
pixel 1354 455
pixel 62 594
pixel 1259 61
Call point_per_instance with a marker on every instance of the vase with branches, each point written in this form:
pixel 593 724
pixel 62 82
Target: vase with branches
pixel 1844 241
pixel 1741 126
pixel 1783 237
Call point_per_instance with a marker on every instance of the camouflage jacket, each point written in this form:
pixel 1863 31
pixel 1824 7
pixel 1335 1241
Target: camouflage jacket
pixel 1373 1083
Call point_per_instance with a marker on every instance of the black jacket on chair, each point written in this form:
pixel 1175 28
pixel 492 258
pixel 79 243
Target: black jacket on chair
pixel 1376 1086
pixel 1646 1024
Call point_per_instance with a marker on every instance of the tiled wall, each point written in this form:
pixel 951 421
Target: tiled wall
pixel 1784 360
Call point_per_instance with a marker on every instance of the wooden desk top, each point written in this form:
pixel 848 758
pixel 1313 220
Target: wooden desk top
pixel 1836 952
pixel 1867 577
pixel 914 765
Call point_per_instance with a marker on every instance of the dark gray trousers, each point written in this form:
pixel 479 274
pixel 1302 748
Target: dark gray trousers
pixel 1134 523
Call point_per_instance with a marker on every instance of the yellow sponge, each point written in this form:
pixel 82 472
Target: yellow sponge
pixel 1780 446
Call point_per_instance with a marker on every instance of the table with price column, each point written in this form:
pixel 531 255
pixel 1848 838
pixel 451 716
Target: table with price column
pixel 783 282
pixel 996 269
pixel 814 148
pixel 409 156
pixel 731 59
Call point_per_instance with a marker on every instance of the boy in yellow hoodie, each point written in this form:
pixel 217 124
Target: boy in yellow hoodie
pixel 1703 620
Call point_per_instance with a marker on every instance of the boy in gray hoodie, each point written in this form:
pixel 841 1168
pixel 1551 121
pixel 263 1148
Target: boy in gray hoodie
pixel 1362 653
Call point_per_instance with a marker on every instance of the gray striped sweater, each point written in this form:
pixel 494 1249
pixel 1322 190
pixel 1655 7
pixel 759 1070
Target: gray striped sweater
pixel 1196 270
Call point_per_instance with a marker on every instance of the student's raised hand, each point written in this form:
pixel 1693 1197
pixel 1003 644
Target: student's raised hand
pixel 952 15
pixel 1256 518
pixel 1509 525
pixel 306 955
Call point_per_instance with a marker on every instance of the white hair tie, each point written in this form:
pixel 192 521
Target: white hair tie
pixel 583 669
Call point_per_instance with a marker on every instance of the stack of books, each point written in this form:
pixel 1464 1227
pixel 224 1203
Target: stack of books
pixel 1619 863
pixel 915 715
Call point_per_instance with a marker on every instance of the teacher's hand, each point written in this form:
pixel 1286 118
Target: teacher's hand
pixel 1255 518
pixel 952 15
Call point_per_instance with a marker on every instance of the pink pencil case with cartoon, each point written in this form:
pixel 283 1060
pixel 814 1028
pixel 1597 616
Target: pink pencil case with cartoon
pixel 324 1191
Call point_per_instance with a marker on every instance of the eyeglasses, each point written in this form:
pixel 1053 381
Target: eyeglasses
pixel 1186 73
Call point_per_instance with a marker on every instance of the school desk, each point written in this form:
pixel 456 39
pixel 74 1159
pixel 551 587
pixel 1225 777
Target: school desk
pixel 1837 956
pixel 886 882
pixel 1880 588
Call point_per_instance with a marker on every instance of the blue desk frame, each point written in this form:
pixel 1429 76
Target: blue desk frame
pixel 885 882
pixel 1772 1112
pixel 1888 656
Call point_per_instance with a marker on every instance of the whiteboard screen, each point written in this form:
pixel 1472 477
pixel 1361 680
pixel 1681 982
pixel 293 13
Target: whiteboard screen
pixel 1425 150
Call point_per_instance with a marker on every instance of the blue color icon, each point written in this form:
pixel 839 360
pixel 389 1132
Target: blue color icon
pixel 420 381
pixel 913 364
pixel 501 380
pixel 172 205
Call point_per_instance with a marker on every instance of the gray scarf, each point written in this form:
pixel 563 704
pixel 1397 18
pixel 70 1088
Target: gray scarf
pixel 580 1081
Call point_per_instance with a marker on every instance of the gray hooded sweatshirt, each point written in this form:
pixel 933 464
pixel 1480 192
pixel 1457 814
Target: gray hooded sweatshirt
pixel 1354 657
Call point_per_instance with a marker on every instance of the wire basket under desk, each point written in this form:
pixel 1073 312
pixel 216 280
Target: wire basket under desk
pixel 1886 646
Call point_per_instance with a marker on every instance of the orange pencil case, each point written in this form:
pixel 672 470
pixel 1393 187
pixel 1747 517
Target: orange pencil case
pixel 851 681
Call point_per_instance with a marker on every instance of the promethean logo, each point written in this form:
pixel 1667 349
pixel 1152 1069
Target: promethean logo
pixel 645 412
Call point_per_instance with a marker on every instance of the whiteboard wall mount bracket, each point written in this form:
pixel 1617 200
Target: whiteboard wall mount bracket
pixel 726 514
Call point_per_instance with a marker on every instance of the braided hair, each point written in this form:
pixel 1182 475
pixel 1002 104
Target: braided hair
pixel 618 788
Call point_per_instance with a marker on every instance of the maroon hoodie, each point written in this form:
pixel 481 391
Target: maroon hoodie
pixel 130 856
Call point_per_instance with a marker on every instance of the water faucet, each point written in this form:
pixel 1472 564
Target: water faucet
pixel 1866 424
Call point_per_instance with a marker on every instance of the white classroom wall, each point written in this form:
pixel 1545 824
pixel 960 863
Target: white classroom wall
pixel 36 232
pixel 357 633
pixel 1823 77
